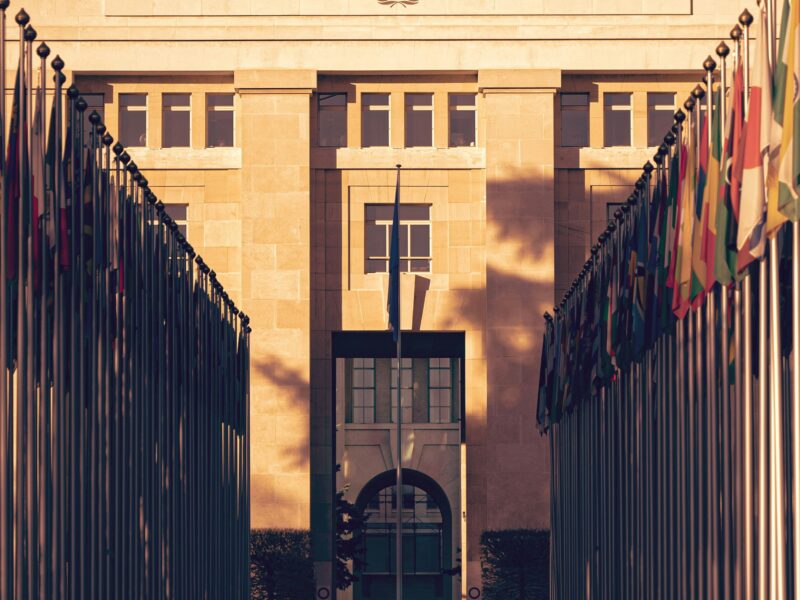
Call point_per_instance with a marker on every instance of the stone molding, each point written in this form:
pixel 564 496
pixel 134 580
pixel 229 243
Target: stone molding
pixel 518 81
pixel 275 81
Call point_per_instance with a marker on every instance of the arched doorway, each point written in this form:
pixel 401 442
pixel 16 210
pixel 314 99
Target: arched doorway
pixel 427 538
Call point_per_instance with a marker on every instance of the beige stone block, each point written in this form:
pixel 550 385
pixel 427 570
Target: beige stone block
pixel 222 233
pixel 275 285
pixel 276 79
pixel 292 314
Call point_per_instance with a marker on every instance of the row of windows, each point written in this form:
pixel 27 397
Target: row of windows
pixel 176 119
pixel 426 391
pixel 617 118
pixel 376 120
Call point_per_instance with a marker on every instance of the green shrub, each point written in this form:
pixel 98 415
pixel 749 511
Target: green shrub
pixel 280 565
pixel 515 564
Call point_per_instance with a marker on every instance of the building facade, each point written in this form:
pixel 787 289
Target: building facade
pixel 272 129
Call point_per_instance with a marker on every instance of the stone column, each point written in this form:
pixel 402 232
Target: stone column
pixel 513 464
pixel 275 125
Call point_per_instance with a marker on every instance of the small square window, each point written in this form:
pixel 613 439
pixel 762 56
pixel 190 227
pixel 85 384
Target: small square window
pixel 374 120
pixel 133 119
pixel 176 120
pixel 332 116
pixel 617 119
pixel 415 237
pixel 660 111
pixel 219 120
pixel 462 120
pixel 419 120
pixel 574 120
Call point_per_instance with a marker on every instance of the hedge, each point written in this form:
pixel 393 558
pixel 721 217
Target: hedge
pixel 515 564
pixel 280 565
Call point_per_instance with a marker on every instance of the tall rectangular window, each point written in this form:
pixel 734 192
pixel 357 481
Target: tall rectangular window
pixel 176 120
pixel 617 119
pixel 660 109
pixel 133 119
pixel 415 237
pixel 463 121
pixel 419 120
pixel 574 120
pixel 440 396
pixel 219 120
pixel 406 390
pixel 178 213
pixel 374 120
pixel 363 390
pixel 332 118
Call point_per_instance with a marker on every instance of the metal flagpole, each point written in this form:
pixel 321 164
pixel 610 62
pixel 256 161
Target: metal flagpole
pixel 399 489
pixel 6 425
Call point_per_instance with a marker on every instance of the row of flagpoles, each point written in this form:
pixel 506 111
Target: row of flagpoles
pixel 124 388
pixel 670 374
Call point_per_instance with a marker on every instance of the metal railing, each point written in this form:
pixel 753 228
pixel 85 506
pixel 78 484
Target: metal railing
pixel 124 386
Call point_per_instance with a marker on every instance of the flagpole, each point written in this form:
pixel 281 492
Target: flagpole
pixel 6 426
pixel 399 490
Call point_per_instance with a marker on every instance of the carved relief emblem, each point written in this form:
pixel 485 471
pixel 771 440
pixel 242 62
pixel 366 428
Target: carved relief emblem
pixel 394 3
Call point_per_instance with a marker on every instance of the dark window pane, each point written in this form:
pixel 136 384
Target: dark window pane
pixel 419 120
pixel 133 119
pixel 403 240
pixel 660 108
pixel 617 119
pixel 332 116
pixel 376 266
pixel 414 212
pixel 176 120
pixel 375 240
pixel 420 240
pixel 575 120
pixel 420 266
pixel 219 120
pixel 380 212
pixel 462 120
pixel 375 120
pixel 176 211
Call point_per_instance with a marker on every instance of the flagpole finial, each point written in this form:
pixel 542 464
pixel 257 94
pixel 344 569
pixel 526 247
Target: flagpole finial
pixel 57 63
pixel 4 4
pixel 22 18
pixel 698 92
pixel 59 77
pixel 118 149
pixel 100 129
pixel 30 33
pixel 723 50
pixel 709 64
pixel 81 105
pixel 679 116
pixel 648 167
pixel 94 117
pixel 736 33
pixel 611 224
pixel 689 104
pixel 399 166
pixel 72 92
pixel 746 19
pixel 43 50
pixel 125 157
pixel 107 139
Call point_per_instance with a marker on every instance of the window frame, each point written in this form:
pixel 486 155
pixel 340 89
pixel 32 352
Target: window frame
pixel 168 109
pixel 386 224
pixel 377 108
pixel 618 108
pixel 145 109
pixel 392 387
pixel 658 108
pixel 574 108
pixel 321 108
pixel 451 108
pixel 449 388
pixel 411 108
pixel 353 388
pixel 231 109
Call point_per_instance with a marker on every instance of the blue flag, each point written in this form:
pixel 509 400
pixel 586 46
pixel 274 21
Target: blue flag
pixel 394 266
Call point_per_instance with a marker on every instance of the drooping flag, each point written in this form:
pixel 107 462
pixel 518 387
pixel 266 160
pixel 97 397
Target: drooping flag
pixel 545 377
pixel 784 173
pixel 37 188
pixel 639 293
pixel 682 253
pixel 700 214
pixel 730 184
pixel 394 266
pixel 750 241
pixel 710 199
pixel 12 185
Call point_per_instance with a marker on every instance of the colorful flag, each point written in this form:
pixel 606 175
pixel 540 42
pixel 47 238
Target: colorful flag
pixel 750 240
pixel 710 199
pixel 700 214
pixel 784 184
pixel 730 182
pixel 37 188
pixel 682 259
pixel 12 185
